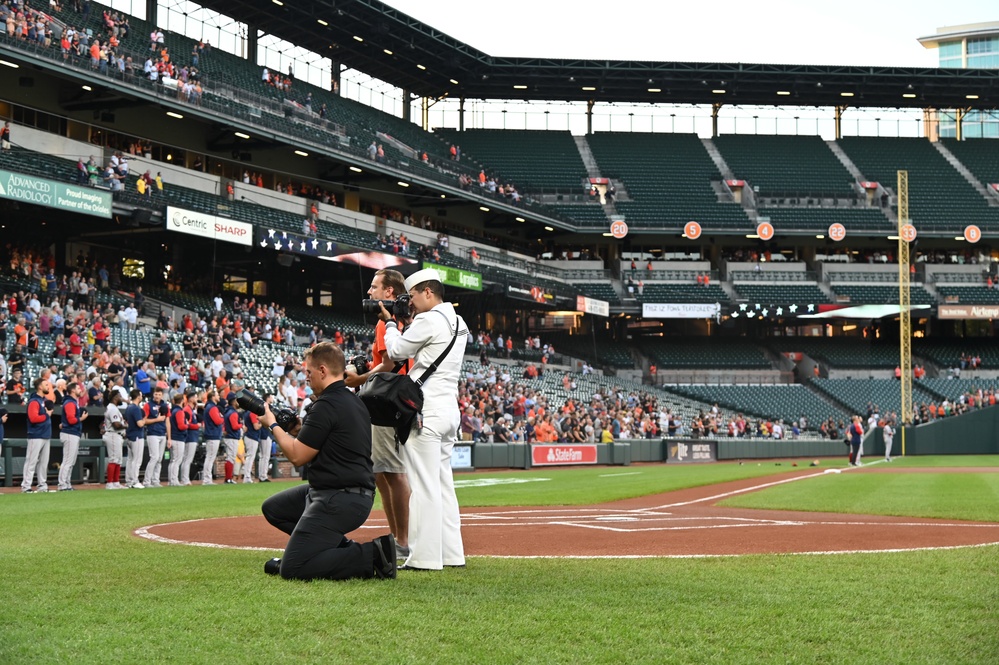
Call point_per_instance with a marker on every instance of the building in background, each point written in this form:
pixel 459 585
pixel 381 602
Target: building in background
pixel 975 45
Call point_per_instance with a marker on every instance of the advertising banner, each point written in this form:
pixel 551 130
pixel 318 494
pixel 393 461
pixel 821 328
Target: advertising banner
pixel 53 194
pixel 968 311
pixel 655 310
pixel 461 457
pixel 592 306
pixel 208 226
pixel 557 455
pixel 463 279
pixel 688 452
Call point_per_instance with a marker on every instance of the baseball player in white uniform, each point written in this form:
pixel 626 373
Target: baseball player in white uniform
pixel 889 434
pixel 114 426
pixel 435 524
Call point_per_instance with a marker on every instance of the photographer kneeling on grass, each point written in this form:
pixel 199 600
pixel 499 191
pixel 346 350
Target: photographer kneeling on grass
pixel 334 442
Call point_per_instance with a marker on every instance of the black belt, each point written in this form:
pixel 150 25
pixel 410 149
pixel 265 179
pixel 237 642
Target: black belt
pixel 363 491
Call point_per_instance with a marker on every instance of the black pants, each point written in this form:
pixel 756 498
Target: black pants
pixel 317 521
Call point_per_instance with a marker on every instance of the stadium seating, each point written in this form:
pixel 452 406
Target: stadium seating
pixel 793 166
pixel 864 294
pixel 787 401
pixel 680 293
pixel 668 177
pixel 534 161
pixel 940 199
pixel 585 215
pixel 978 156
pixel 881 393
pixel 781 293
pixel 599 290
pixel 819 219
pixel 969 294
pixel 841 352
pixel 953 389
pixel 705 353
pixel 947 353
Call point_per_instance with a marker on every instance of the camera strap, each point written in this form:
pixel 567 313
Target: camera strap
pixel 433 366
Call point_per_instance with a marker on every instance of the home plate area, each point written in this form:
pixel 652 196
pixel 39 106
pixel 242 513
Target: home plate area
pixel 677 524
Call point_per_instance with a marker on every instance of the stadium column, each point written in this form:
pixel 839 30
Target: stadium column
pixel 407 113
pixel 715 108
pixel 589 117
pixel 461 114
pixel 152 15
pixel 839 121
pixel 251 42
pixel 959 124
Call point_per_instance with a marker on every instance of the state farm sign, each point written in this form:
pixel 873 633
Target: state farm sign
pixel 209 226
pixel 555 455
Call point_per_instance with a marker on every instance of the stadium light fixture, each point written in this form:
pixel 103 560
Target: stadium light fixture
pixel 520 219
pixel 387 51
pixel 87 88
pixel 172 114
pixel 718 91
pixel 356 170
pixel 278 3
pixel 846 94
pixel 958 237
pixel 909 95
pixel 892 237
pixel 402 184
pixel 655 89
pixel 12 65
pixel 483 208
pixel 820 236
pixel 607 235
pixel 301 153
pixel 520 87
pixel 421 67
pixel 242 135
pixel 322 22
pixel 784 93
pixel 752 236
pixel 548 228
pixel 443 196
pixel 454 82
pixel 971 96
pixel 588 88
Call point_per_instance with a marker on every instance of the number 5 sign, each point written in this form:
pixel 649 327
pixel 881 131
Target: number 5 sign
pixel 692 230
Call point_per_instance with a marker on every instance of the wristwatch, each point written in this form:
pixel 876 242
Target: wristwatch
pixel 272 426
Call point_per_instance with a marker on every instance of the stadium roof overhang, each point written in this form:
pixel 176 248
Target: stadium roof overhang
pixel 380 41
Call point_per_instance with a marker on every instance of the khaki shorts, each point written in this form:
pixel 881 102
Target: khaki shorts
pixel 384 456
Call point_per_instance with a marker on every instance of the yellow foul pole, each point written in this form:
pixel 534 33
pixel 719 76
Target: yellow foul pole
pixel 904 317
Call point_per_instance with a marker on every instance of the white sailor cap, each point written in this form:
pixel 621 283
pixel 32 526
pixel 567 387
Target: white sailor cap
pixel 420 276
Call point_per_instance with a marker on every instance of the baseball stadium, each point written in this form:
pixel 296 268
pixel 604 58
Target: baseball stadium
pixel 729 383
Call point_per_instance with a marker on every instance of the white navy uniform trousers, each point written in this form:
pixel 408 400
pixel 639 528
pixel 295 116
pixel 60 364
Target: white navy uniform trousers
pixel 434 522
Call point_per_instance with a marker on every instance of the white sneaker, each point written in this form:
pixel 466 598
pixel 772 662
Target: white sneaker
pixel 110 486
pixel 207 482
pixel 247 481
pixel 137 486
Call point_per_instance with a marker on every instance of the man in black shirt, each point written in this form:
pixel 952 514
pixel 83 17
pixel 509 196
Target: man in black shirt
pixel 334 442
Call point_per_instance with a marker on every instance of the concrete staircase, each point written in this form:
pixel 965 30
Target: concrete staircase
pixel 717 158
pixel 589 161
pixel 845 160
pixel 963 170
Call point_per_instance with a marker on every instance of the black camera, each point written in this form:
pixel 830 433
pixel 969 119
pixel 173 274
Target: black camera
pixel 286 418
pixel 360 364
pixel 399 307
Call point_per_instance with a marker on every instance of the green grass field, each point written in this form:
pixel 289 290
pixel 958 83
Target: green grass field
pixel 78 587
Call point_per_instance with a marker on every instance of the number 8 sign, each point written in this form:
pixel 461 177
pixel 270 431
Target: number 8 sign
pixel 972 233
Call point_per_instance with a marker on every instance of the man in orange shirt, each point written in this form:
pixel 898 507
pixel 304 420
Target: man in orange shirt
pixel 387 460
